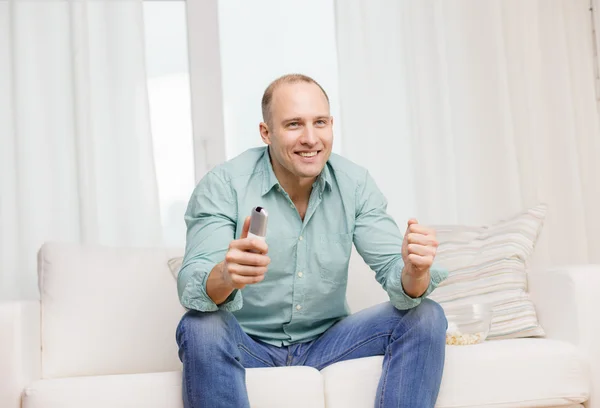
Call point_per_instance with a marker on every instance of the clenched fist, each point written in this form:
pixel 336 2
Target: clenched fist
pixel 418 249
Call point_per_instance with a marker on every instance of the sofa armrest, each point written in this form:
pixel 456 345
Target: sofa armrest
pixel 20 349
pixel 567 302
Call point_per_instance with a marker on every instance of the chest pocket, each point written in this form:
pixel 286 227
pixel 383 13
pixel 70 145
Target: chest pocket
pixel 333 257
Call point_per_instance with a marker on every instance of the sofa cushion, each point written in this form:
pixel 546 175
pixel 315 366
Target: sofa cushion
pixel 502 373
pixel 107 310
pixel 489 264
pixel 290 387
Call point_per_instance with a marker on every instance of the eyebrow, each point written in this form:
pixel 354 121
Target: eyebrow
pixel 299 119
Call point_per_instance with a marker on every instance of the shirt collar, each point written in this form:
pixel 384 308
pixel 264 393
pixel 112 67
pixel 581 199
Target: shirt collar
pixel 270 180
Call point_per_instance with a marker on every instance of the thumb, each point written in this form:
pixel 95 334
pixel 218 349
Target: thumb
pixel 245 228
pixel 412 221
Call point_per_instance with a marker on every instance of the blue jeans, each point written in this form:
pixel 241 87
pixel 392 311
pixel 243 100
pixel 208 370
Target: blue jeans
pixel 215 352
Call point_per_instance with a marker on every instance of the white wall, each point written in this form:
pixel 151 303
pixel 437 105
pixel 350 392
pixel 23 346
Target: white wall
pixel 262 40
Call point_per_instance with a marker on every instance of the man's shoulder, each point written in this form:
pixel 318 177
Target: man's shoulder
pixel 344 168
pixel 244 164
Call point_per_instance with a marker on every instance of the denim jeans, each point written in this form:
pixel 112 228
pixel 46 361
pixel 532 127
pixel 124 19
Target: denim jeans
pixel 215 352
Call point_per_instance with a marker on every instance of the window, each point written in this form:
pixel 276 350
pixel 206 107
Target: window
pixel 170 111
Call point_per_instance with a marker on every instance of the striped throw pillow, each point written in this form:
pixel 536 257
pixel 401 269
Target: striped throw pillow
pixel 488 264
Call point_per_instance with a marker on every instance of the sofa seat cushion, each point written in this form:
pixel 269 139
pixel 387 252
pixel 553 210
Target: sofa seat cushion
pixel 292 387
pixel 499 373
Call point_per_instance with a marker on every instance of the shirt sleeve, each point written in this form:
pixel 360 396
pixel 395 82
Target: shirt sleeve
pixel 378 240
pixel 211 219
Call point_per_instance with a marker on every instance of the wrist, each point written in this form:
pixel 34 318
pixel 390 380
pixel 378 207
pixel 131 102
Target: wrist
pixel 218 287
pixel 225 282
pixel 415 276
pixel 414 285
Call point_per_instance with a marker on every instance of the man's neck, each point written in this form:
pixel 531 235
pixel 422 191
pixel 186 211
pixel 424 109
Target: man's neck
pixel 298 188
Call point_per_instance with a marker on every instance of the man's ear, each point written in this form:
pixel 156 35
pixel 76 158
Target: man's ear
pixel 265 133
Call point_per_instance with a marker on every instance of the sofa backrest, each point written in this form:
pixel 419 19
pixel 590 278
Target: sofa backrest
pixel 115 310
pixel 363 290
pixel 107 310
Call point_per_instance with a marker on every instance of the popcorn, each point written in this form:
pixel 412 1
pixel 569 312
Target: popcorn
pixel 456 338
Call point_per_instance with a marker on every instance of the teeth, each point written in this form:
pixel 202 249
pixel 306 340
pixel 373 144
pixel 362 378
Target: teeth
pixel 310 154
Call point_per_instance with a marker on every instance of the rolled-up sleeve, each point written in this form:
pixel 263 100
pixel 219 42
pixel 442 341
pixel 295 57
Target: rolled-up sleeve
pixel 378 240
pixel 211 219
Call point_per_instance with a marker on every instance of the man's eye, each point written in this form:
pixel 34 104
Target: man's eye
pixel 293 124
pixel 321 122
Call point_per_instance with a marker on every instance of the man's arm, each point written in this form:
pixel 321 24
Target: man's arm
pixel 211 219
pixel 380 243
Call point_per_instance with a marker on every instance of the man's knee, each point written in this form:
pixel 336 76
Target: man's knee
pixel 202 330
pixel 431 320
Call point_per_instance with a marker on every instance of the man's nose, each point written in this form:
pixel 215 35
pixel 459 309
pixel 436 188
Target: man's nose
pixel 309 136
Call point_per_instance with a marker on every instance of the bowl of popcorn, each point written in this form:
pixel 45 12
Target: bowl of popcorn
pixel 468 323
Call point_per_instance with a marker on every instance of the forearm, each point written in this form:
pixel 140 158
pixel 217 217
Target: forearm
pixel 194 282
pixel 216 287
pixel 415 286
pixel 407 291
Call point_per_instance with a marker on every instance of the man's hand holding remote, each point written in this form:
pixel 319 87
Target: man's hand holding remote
pixel 240 267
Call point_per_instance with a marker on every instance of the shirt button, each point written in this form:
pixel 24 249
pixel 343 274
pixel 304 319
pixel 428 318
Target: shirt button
pixel 298 307
pixel 300 238
pixel 292 205
pixel 300 274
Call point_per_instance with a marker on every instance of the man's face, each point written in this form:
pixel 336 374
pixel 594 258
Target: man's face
pixel 300 131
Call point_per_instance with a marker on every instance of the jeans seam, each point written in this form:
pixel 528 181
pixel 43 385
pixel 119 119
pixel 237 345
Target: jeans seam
pixel 242 347
pixel 186 368
pixel 356 346
pixel 426 355
pixel 386 371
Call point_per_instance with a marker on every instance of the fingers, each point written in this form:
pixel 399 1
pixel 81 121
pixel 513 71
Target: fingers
pixel 412 221
pixel 420 245
pixel 237 256
pixel 422 250
pixel 242 275
pixel 421 262
pixel 419 229
pixel 245 270
pixel 250 244
pixel 240 281
pixel 246 260
pixel 420 239
pixel 420 234
pixel 245 228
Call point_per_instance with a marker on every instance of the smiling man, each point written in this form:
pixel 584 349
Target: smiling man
pixel 282 302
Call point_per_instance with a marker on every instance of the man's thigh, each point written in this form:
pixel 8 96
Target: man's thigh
pixel 363 334
pixel 256 354
pixel 220 332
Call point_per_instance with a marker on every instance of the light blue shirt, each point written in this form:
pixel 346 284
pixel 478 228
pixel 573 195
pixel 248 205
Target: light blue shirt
pixel 304 290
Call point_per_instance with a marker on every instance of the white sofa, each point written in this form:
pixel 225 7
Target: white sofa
pixel 103 335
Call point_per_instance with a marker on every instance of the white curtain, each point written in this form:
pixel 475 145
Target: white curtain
pixel 469 111
pixel 596 26
pixel 75 144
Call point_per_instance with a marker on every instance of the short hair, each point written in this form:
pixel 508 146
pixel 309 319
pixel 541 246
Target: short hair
pixel 285 79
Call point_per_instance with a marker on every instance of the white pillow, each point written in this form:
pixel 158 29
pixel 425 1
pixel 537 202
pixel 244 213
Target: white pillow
pixel 488 264
pixel 175 265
